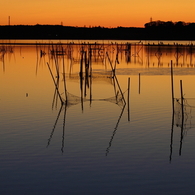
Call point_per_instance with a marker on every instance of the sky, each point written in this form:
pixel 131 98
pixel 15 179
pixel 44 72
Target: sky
pixel 105 13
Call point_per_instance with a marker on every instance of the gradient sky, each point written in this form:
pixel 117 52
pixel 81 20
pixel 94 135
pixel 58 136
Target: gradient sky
pixel 107 13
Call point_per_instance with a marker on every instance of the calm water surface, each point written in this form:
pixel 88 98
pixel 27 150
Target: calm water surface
pixel 97 146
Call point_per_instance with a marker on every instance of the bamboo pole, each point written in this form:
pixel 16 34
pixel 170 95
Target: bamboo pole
pixel 90 68
pixel 55 60
pixel 114 75
pixel 81 78
pixel 81 64
pixel 172 86
pixel 171 144
pixel 65 90
pixel 139 84
pixel 86 74
pixel 55 83
pixel 181 90
pixel 128 99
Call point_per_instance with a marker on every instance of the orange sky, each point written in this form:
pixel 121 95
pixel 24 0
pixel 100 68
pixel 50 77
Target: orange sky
pixel 107 13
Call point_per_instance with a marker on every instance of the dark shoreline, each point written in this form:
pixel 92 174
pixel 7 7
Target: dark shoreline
pixel 47 32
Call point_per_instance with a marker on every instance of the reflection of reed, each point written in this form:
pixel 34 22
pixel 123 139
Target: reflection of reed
pixel 40 51
pixel 5 50
pixel 178 53
pixel 158 54
pixel 2 58
pixel 183 54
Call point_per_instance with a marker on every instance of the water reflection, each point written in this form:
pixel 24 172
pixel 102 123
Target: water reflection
pixel 52 132
pixel 115 129
pixel 183 115
pixel 5 51
pixel 78 105
pixel 134 54
pixel 85 78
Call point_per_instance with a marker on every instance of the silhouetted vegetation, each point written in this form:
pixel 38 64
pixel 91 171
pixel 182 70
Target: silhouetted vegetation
pixel 68 32
pixel 170 30
pixel 154 30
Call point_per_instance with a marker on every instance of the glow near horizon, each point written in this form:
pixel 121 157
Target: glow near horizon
pixel 107 13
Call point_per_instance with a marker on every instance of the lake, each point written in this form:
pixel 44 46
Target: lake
pixel 96 117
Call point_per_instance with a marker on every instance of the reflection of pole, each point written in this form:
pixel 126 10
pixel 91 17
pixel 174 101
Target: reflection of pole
pixel 52 132
pixel 182 111
pixel 181 139
pixel 128 99
pixel 63 132
pixel 172 86
pixel 114 132
pixel 171 144
pixel 139 83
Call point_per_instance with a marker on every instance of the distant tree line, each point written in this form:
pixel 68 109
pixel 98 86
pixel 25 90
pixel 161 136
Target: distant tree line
pixel 170 30
pixel 68 32
pixel 154 30
pixel 169 24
